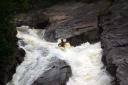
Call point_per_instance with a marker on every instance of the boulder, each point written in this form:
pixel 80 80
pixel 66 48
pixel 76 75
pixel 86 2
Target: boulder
pixel 20 54
pixel 58 73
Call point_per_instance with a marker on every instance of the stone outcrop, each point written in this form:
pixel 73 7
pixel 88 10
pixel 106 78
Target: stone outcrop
pixel 72 19
pixel 35 19
pixel 58 73
pixel 114 40
pixel 20 55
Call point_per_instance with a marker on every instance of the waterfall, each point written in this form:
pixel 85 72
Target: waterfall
pixel 85 60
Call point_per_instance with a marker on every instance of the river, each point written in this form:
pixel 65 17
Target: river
pixel 85 60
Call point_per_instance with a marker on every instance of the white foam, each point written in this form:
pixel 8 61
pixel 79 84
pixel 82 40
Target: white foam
pixel 85 61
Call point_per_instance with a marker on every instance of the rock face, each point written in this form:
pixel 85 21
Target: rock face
pixel 72 19
pixel 34 19
pixel 114 40
pixel 78 22
pixel 58 73
pixel 20 55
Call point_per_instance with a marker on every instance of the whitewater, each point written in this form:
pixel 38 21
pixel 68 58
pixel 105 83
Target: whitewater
pixel 85 60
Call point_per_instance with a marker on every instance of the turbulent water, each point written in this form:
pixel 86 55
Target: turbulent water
pixel 85 60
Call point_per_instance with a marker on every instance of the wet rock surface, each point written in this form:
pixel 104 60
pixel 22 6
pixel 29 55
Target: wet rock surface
pixel 72 19
pixel 58 73
pixel 114 40
pixel 35 19
pixel 91 36
pixel 20 54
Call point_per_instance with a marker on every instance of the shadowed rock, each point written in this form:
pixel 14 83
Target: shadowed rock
pixel 72 19
pixel 20 55
pixel 114 40
pixel 58 73
pixel 34 19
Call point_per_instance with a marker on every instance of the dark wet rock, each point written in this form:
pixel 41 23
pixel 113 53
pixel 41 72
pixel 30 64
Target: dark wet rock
pixel 20 55
pixel 21 42
pixel 58 73
pixel 72 19
pixel 114 40
pixel 34 19
pixel 12 70
pixel 90 36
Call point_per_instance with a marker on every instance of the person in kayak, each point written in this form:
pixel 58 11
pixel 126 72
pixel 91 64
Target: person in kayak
pixel 64 44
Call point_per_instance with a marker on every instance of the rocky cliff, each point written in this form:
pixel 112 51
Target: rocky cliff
pixel 114 39
pixel 108 18
pixel 79 21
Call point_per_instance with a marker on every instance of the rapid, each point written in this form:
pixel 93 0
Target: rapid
pixel 85 60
